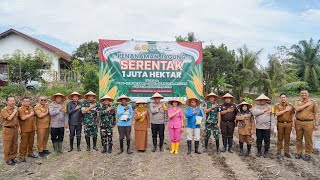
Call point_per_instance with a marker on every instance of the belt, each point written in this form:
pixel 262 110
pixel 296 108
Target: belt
pixel 10 127
pixel 228 121
pixel 305 120
pixel 284 122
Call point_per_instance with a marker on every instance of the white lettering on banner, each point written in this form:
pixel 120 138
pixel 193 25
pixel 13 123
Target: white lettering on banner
pixel 152 74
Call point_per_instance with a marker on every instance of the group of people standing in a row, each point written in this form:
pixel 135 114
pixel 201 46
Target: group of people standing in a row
pixel 90 114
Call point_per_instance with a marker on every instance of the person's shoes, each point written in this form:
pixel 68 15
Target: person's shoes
pixel 224 140
pixel 33 156
pixel 88 143
pixel 206 143
pixel 278 155
pixel 287 155
pixel 230 150
pixel 266 154
pixel 154 140
pixel 78 144
pixel 241 148
pixel 121 147
pixel 249 150
pixel 42 154
pixel 259 153
pixel 189 147
pixel 10 163
pixel 218 146
pixel 95 144
pixel 71 149
pixel 46 152
pixel 60 147
pixel 104 149
pixel 176 149
pixel 306 158
pixel 298 156
pixel 110 149
pixel 196 147
pixel 128 147
pixel 71 144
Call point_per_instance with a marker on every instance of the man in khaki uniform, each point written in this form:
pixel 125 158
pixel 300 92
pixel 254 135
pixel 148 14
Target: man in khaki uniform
pixel 43 123
pixel 10 131
pixel 306 123
pixel 285 123
pixel 27 126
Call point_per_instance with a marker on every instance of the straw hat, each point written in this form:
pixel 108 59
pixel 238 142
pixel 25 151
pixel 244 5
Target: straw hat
pixel 90 93
pixel 157 95
pixel 106 97
pixel 244 103
pixel 123 97
pixel 188 102
pixel 228 95
pixel 175 100
pixel 75 93
pixel 53 97
pixel 263 97
pixel 141 101
pixel 216 97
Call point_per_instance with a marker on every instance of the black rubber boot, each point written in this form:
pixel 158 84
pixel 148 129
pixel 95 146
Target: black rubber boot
pixel 95 143
pixel 266 154
pixel 206 142
pixel 259 153
pixel 128 147
pixel 249 149
pixel 218 146
pixel 78 144
pixel 189 147
pixel 196 147
pixel 241 148
pixel 71 144
pixel 154 140
pixel 110 149
pixel 230 141
pixel 88 143
pixel 104 147
pixel 121 146
pixel 161 145
pixel 224 141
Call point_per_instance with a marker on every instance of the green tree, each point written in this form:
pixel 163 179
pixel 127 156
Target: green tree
pixel 90 79
pixel 218 66
pixel 244 76
pixel 27 67
pixel 189 38
pixel 306 59
pixel 87 52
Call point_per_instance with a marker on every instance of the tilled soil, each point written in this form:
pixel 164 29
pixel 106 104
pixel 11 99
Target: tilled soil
pixel 161 165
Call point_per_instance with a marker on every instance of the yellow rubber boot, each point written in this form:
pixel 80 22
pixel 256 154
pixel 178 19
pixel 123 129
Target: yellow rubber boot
pixel 177 147
pixel 173 146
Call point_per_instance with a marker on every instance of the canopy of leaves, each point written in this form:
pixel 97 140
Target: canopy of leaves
pixel 87 52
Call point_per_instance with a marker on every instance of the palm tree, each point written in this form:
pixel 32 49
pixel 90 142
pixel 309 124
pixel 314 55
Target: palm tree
pixel 306 58
pixel 247 68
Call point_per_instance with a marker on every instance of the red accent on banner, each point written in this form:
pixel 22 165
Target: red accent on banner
pixel 151 91
pixel 194 45
pixel 106 43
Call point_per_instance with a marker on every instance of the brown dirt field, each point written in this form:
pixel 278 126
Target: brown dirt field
pixel 95 165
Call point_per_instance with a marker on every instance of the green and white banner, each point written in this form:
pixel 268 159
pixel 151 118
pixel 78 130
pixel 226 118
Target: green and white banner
pixel 139 69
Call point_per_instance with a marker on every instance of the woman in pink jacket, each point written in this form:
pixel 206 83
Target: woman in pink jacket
pixel 175 114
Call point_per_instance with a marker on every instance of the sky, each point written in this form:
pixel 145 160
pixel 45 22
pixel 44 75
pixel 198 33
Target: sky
pixel 260 24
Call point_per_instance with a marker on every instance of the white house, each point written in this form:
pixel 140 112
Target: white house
pixel 12 40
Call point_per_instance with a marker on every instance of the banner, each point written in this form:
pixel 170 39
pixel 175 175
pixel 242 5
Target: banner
pixel 139 69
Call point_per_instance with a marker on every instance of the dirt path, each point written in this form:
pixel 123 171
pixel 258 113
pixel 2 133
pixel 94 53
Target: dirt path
pixel 94 165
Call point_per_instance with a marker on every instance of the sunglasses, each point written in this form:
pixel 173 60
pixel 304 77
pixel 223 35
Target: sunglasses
pixel 44 100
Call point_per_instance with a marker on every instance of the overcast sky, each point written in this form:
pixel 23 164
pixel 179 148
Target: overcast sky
pixel 260 24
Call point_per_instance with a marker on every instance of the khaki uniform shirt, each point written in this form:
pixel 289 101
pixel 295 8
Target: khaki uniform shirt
pixel 27 125
pixel 42 122
pixel 5 113
pixel 287 116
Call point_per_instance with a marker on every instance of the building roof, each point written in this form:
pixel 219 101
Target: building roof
pixel 47 46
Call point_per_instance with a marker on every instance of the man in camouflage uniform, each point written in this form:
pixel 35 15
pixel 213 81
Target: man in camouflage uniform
pixel 107 122
pixel 212 124
pixel 90 119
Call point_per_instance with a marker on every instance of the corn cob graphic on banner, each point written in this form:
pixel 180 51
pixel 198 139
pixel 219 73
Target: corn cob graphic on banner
pixel 139 69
